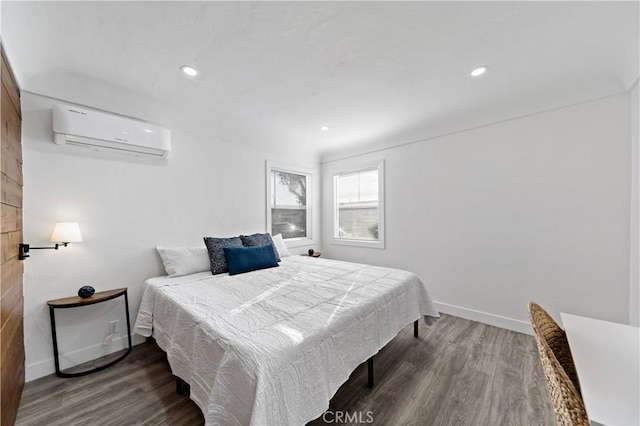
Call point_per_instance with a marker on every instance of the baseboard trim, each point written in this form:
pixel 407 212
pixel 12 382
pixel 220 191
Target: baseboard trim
pixel 485 318
pixel 46 367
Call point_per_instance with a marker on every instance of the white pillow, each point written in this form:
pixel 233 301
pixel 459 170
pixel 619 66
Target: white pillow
pixel 180 261
pixel 278 241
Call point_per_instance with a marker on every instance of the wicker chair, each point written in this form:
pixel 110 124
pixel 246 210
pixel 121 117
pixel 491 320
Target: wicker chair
pixel 559 369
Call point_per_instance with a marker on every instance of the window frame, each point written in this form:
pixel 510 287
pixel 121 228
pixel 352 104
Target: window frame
pixel 350 169
pixel 280 167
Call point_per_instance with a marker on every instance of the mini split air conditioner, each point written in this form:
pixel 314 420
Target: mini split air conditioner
pixel 107 132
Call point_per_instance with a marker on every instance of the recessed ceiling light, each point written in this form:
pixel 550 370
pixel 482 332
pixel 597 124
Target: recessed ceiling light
pixel 190 71
pixel 148 130
pixel 324 128
pixel 479 71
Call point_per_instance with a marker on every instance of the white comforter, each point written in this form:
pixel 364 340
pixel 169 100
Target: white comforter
pixel 271 347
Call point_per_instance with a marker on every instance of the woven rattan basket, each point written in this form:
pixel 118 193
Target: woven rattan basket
pixel 559 369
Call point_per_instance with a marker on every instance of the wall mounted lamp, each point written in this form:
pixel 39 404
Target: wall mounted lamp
pixel 63 234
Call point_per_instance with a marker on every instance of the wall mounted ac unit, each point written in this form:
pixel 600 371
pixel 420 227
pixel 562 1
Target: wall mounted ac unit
pixel 103 131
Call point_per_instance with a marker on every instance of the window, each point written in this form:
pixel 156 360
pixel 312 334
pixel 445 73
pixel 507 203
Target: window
pixel 288 203
pixel 358 206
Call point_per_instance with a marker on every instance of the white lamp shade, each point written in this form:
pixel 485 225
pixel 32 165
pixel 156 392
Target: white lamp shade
pixel 66 232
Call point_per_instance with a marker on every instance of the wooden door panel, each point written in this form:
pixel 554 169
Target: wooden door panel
pixel 11 191
pixel 12 132
pixel 11 270
pixel 11 303
pixel 9 83
pixel 10 218
pixel 10 166
pixel 9 244
pixel 11 273
pixel 11 155
pixel 11 371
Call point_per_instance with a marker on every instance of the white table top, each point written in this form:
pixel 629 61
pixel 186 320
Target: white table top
pixel 607 359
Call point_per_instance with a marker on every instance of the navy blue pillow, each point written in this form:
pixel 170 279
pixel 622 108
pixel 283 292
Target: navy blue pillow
pixel 245 259
pixel 259 240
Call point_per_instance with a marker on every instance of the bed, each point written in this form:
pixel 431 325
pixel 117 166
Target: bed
pixel 271 347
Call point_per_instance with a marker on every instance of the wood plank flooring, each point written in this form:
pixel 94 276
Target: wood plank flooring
pixel 458 372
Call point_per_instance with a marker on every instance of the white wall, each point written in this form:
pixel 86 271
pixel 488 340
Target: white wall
pixel 535 208
pixel 634 284
pixel 530 209
pixel 125 208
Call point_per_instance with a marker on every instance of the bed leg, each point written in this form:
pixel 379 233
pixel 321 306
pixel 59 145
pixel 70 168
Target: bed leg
pixel 415 328
pixel 182 388
pixel 370 373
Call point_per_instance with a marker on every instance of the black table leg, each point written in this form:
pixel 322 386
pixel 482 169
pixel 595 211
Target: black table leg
pixel 126 307
pixel 102 367
pixel 55 340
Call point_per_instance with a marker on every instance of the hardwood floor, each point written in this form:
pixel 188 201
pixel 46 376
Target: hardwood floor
pixel 458 372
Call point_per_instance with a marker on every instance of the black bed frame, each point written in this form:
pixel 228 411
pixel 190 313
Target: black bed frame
pixel 370 360
pixel 182 387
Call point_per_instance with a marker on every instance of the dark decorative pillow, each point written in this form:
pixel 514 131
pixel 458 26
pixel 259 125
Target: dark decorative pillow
pixel 215 247
pixel 259 240
pixel 246 259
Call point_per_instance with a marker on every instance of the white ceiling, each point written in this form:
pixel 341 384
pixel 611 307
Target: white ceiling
pixel 378 74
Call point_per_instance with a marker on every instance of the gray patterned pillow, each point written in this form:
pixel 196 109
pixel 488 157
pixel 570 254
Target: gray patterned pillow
pixel 259 240
pixel 215 247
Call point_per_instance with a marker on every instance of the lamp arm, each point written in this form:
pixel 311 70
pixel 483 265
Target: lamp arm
pixel 23 249
pixel 44 248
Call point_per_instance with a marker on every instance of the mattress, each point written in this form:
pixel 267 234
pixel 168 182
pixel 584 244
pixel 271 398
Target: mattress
pixel 271 347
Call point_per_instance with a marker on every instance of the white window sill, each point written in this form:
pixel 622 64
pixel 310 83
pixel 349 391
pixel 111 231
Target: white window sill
pixel 299 242
pixel 358 243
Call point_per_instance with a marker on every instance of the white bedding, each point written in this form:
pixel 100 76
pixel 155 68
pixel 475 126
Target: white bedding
pixel 271 347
